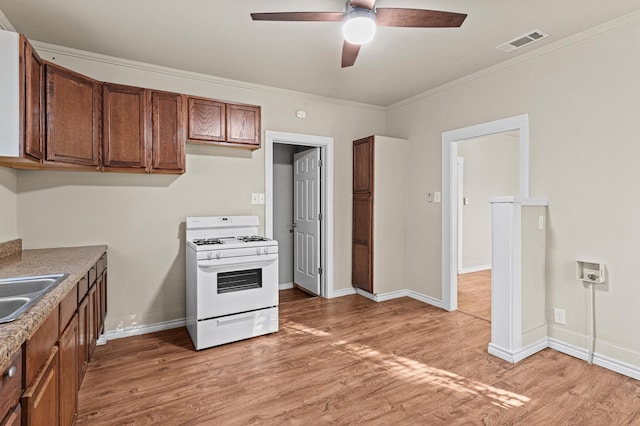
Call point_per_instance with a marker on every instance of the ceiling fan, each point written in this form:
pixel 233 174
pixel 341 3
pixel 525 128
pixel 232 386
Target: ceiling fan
pixel 361 18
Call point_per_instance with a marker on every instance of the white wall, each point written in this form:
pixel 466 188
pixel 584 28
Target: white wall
pixel 583 105
pixel 490 170
pixel 141 217
pixel 8 204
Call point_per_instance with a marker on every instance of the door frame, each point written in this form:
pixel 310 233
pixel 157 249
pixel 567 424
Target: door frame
pixel 450 192
pixel 325 144
pixel 460 218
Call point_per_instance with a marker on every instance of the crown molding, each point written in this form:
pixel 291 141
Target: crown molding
pixel 5 24
pixel 96 57
pixel 622 21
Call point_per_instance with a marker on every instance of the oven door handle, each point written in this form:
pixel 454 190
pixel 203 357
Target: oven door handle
pixel 247 261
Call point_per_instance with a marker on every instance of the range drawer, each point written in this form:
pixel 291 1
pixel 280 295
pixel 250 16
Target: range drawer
pixel 11 383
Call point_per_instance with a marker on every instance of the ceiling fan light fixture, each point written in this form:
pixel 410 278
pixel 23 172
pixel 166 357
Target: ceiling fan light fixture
pixel 359 26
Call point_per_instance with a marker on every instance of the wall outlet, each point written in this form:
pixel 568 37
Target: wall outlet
pixel 559 316
pixel 540 223
pixel 257 198
pixel 436 197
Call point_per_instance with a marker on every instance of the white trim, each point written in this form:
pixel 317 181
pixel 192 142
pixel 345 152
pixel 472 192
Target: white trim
pixel 383 297
pixel 514 357
pixel 285 286
pixel 617 366
pixel 450 191
pixel 342 292
pixel 326 145
pixel 5 24
pixel 472 269
pixel 137 330
pixel 622 21
pixel 96 57
pixel 603 361
pixel 425 299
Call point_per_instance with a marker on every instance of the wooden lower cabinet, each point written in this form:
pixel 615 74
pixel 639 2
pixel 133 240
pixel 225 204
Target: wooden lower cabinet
pixel 83 338
pixel 40 401
pixel 92 334
pixel 68 347
pixel 14 418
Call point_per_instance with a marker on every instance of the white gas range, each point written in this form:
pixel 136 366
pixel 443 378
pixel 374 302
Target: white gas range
pixel 232 280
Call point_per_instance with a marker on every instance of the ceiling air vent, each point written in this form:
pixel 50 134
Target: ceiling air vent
pixel 522 41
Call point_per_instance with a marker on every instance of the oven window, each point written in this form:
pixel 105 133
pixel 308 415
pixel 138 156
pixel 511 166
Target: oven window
pixel 239 280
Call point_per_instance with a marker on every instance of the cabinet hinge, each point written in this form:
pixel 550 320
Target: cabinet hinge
pixel 320 271
pixel 320 216
pixel 319 163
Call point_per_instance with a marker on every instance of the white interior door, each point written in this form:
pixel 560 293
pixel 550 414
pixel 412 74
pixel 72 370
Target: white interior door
pixel 306 219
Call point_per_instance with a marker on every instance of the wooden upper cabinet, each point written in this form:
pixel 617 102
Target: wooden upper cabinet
pixel 33 100
pixel 168 132
pixel 124 127
pixel 243 125
pixel 206 120
pixel 72 117
pixel 363 165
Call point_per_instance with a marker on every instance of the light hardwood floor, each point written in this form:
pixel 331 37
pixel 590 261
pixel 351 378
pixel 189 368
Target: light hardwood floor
pixel 349 361
pixel 474 294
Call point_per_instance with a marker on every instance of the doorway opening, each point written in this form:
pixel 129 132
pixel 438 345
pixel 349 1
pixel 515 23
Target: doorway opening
pixel 487 167
pixel 450 195
pixel 298 210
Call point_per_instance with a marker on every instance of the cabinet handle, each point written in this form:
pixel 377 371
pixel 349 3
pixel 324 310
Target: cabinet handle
pixel 11 372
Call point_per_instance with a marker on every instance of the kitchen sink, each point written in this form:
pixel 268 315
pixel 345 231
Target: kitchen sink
pixel 19 294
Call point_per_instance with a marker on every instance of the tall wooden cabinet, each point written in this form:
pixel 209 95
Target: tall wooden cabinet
pixel 379 214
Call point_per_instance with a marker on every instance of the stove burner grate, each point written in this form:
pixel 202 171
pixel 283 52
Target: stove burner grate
pixel 252 238
pixel 207 241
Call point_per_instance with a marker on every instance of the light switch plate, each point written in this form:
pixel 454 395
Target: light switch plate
pixel 437 197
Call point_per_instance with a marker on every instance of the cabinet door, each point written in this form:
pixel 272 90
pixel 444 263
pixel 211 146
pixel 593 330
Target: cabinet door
pixel 34 102
pixel 363 166
pixel 206 120
pixel 103 300
pixel 40 400
pixel 124 120
pixel 14 418
pixel 243 124
pixel 92 322
pixel 167 132
pixel 83 338
pixel 68 345
pixel 72 118
pixel 362 242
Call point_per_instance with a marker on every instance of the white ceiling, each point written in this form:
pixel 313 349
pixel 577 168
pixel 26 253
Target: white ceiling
pixel 218 37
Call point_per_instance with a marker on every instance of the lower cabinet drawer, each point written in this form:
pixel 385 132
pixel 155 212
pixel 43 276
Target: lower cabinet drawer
pixel 11 382
pixel 40 401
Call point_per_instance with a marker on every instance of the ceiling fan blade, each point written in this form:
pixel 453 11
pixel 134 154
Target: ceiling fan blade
pixel 417 18
pixel 349 54
pixel 365 4
pixel 298 16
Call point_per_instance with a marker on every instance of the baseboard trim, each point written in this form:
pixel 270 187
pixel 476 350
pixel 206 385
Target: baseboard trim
pixel 425 299
pixel 514 357
pixel 598 359
pixel 142 329
pixel 285 286
pixel 472 269
pixel 341 293
pixel 383 297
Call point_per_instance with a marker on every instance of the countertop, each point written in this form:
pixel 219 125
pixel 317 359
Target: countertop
pixel 74 261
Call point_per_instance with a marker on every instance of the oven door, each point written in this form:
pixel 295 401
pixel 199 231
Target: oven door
pixel 237 284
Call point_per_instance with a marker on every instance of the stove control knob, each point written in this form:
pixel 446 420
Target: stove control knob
pixel 218 254
pixel 258 251
pixel 266 251
pixel 209 256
